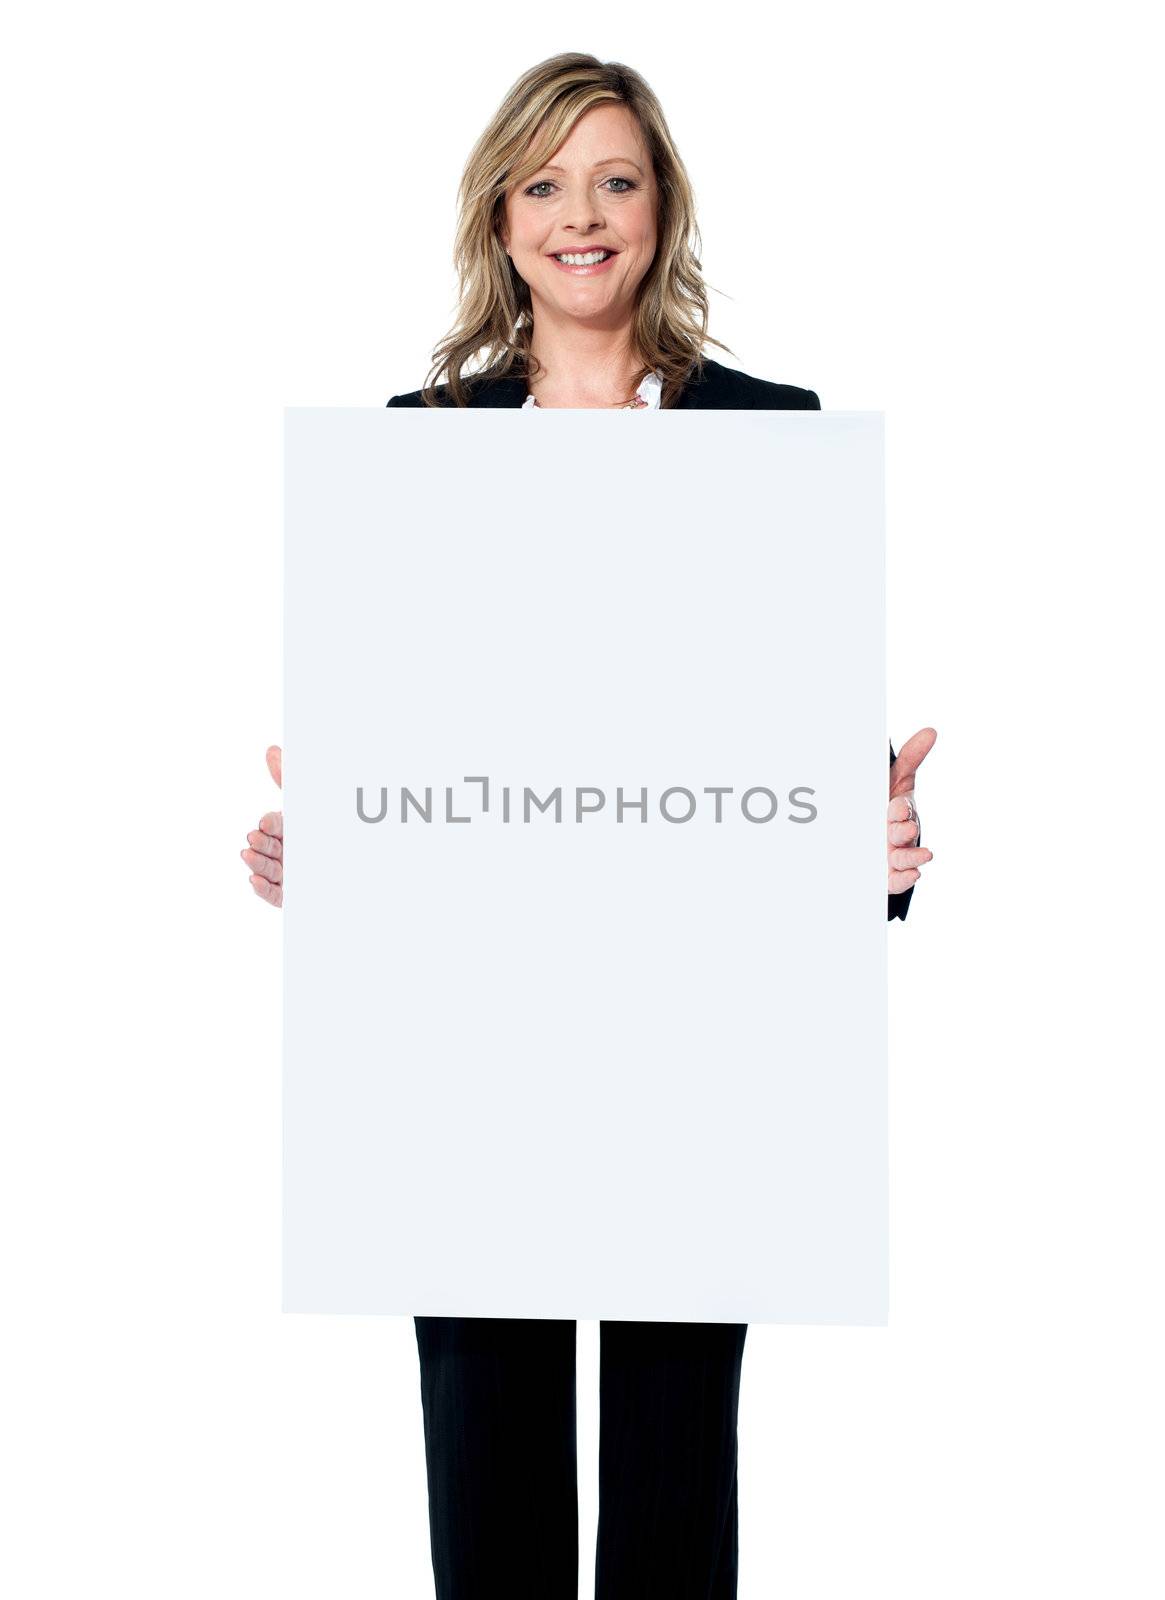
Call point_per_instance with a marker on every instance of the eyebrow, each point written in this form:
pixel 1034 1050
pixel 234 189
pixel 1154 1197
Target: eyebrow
pixel 606 162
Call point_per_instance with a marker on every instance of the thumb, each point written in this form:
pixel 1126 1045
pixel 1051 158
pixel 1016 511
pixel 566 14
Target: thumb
pixel 275 763
pixel 909 759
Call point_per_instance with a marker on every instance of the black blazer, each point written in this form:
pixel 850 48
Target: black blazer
pixel 718 388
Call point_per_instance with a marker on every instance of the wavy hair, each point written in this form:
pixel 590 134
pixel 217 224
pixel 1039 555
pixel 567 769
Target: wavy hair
pixel 495 318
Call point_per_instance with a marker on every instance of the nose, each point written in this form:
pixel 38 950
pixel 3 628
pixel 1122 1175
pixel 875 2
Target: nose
pixel 582 210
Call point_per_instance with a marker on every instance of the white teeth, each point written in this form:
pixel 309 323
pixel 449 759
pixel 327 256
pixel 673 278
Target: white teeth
pixel 591 259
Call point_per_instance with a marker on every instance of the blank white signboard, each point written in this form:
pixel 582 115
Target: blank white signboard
pixel 585 795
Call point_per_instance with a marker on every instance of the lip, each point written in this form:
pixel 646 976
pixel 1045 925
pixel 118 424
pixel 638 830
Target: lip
pixel 585 272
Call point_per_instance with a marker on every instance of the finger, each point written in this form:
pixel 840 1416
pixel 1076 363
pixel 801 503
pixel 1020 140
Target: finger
pixel 900 860
pixel 899 881
pixel 275 763
pixel 899 809
pixel 263 866
pixel 265 844
pixel 271 892
pixel 902 832
pixel 272 822
pixel 909 759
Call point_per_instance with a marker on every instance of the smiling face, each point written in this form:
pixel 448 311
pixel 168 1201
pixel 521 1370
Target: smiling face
pixel 597 194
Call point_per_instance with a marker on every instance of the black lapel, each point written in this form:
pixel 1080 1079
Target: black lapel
pixel 511 391
pixel 705 392
pixel 508 391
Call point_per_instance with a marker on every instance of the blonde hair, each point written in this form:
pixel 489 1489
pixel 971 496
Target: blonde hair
pixel 494 314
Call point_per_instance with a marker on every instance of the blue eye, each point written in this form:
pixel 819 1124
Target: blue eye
pixel 545 183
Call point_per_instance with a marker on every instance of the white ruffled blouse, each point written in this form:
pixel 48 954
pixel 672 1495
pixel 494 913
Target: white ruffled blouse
pixel 646 396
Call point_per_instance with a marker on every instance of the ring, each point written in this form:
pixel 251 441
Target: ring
pixel 912 814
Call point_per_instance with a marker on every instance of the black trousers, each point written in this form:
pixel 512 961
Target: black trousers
pixel 499 1408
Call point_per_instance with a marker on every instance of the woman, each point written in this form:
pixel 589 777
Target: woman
pixel 580 285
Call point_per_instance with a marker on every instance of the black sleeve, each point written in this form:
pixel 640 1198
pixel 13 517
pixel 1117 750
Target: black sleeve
pixel 897 903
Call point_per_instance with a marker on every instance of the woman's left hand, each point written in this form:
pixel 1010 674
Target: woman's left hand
pixel 904 857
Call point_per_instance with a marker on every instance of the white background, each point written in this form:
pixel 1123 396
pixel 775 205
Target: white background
pixel 945 213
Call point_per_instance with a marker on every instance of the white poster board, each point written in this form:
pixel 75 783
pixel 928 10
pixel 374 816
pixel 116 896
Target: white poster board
pixel 546 1054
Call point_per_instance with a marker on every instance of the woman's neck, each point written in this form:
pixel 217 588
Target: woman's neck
pixel 583 366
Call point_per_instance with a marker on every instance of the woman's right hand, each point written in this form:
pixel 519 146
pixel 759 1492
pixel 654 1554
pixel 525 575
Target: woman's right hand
pixel 265 856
